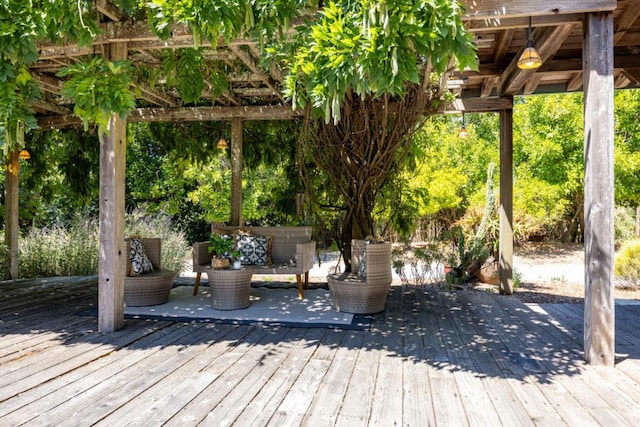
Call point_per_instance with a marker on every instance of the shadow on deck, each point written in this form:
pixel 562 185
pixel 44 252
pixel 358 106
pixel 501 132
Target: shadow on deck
pixel 431 357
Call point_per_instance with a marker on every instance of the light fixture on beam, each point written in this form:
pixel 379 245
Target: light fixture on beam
pixel 530 58
pixel 222 144
pixel 463 130
pixel 24 155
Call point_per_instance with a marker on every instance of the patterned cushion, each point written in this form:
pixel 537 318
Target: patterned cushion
pixel 254 250
pixel 139 262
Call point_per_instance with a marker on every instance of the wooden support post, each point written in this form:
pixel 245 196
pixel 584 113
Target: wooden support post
pixel 112 256
pixel 236 172
pixel 506 202
pixel 11 212
pixel 599 303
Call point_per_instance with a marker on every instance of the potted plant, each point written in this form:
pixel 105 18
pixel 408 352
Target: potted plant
pixel 221 246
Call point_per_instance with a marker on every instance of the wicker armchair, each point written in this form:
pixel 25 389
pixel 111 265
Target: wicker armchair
pixel 352 293
pixel 150 288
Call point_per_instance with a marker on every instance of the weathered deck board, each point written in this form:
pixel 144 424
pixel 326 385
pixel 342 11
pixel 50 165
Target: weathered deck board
pixel 432 358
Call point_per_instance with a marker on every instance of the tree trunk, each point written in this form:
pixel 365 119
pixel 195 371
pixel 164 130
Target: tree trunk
pixel 361 151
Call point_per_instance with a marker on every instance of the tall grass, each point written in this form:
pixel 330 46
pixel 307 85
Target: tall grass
pixel 60 250
pixel 72 250
pixel 175 249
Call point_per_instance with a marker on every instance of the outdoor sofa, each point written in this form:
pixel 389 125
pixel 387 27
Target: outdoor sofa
pixel 291 252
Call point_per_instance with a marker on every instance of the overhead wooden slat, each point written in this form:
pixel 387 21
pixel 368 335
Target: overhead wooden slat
pixel 627 19
pixel 502 45
pixel 109 10
pixel 251 65
pixel 576 82
pixel 621 81
pixel 50 107
pixel 488 85
pixel 157 97
pixel 497 9
pixel 531 84
pixel 501 35
pixel 478 105
pixel 228 95
pixel 632 74
pixel 521 22
pixel 48 83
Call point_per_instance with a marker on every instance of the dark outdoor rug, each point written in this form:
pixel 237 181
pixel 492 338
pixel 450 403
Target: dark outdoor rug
pixel 269 306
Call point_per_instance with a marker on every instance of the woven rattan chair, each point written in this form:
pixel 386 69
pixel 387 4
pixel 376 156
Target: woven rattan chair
pixel 151 288
pixel 352 293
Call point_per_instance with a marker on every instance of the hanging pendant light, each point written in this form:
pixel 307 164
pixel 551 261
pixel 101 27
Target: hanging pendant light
pixel 222 144
pixel 24 155
pixel 463 130
pixel 530 58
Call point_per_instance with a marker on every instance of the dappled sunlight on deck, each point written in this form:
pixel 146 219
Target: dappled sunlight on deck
pixel 439 357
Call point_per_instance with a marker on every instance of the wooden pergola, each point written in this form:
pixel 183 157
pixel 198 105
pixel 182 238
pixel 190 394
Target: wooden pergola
pixel 587 45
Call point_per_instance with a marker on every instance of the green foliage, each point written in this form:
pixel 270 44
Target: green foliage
pixel 627 265
pixel 220 245
pixel 184 70
pixel 22 24
pixel 627 147
pixel 211 20
pixel 99 88
pixel 624 225
pixel 4 259
pixel 373 48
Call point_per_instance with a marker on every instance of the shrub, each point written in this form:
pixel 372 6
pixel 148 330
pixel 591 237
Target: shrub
pixel 4 259
pixel 419 266
pixel 59 250
pixel 72 250
pixel 625 224
pixel 627 265
pixel 175 248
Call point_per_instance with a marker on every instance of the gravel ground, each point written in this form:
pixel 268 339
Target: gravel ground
pixel 549 273
pixel 554 273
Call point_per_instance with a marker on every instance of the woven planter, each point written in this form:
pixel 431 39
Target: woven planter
pixel 351 294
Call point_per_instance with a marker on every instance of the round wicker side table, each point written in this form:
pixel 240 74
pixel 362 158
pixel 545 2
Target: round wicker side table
pixel 229 288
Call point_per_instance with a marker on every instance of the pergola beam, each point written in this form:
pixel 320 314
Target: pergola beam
pixel 186 114
pixel 496 10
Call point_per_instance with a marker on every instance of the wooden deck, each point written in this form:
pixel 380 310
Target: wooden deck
pixel 432 358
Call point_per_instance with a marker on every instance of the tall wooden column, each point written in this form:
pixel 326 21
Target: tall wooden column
pixel 11 212
pixel 506 202
pixel 599 303
pixel 236 172
pixel 112 256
